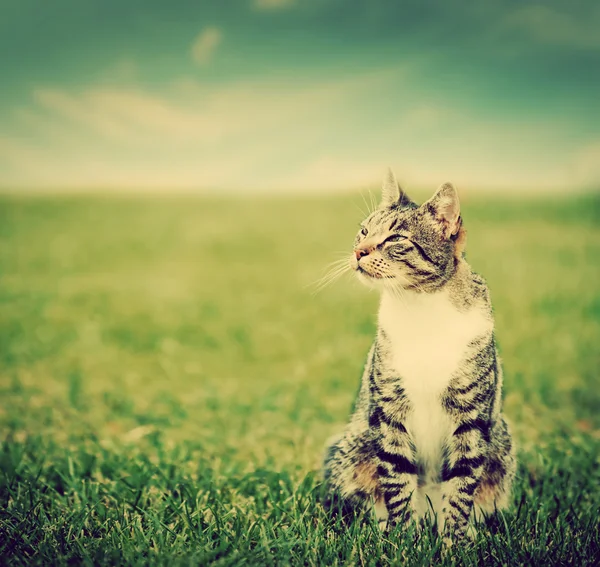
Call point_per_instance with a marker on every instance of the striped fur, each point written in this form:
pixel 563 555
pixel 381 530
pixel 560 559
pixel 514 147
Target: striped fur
pixel 427 436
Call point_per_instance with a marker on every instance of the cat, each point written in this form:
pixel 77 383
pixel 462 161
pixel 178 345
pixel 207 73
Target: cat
pixel 427 437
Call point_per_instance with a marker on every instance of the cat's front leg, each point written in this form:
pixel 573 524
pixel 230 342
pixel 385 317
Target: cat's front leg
pixel 461 474
pixel 398 489
pixel 397 471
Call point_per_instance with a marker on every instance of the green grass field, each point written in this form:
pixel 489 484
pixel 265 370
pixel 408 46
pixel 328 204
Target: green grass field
pixel 168 380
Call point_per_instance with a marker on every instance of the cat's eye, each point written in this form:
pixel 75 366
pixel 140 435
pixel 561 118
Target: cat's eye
pixel 395 238
pixel 364 231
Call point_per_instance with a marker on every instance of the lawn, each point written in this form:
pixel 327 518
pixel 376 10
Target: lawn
pixel 168 380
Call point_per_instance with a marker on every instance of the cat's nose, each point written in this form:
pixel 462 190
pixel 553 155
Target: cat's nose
pixel 360 252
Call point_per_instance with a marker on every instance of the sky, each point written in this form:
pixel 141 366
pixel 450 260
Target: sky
pixel 299 95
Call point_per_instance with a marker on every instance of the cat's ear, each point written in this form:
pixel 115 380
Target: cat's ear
pixel 391 192
pixel 445 208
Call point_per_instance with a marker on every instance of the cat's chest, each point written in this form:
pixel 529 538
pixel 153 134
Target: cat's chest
pixel 428 339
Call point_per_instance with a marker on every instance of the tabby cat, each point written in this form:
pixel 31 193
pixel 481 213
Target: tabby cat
pixel 427 437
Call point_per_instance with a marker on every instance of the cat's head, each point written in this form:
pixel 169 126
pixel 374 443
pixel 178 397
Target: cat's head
pixel 402 244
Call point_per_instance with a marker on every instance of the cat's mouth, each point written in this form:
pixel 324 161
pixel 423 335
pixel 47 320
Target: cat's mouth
pixel 364 272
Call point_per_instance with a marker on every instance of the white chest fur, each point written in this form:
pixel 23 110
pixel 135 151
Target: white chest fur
pixel 429 338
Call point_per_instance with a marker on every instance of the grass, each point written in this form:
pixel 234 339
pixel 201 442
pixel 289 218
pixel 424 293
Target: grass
pixel 167 380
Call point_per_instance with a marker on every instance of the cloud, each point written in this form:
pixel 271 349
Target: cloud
pixel 194 112
pixel 549 26
pixel 76 110
pixel 240 135
pixel 280 134
pixel 205 44
pixel 267 5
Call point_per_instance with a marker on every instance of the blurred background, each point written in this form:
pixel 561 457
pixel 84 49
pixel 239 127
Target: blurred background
pixel 175 178
pixel 298 95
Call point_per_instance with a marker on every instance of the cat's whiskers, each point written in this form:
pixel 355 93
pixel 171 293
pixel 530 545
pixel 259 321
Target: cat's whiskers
pixel 373 201
pixel 391 284
pixel 361 211
pixel 336 270
pixel 369 208
pixel 397 291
